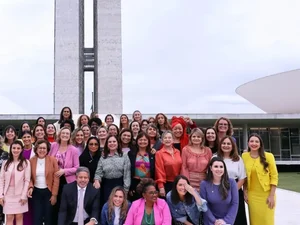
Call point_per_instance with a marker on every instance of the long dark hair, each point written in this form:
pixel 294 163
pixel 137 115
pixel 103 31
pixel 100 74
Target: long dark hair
pixel 61 118
pixel 140 135
pixel 225 184
pixel 234 155
pixel 98 152
pixel 22 160
pixel 261 151
pixel 216 142
pixel 188 198
pixel 106 149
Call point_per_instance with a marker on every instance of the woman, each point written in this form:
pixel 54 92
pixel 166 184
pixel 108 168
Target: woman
pixel 113 169
pixel 261 183
pixel 115 210
pixel 113 129
pixel 39 133
pixel 135 129
pixel 211 139
pixel 24 126
pixel 144 124
pixel 149 209
pixel 40 120
pixel 102 136
pixel 124 122
pixel 126 139
pixel 65 114
pixel 68 123
pixel 153 133
pixel 142 163
pixel 161 122
pixel 221 194
pixel 109 119
pixel 44 183
pixel 68 162
pixel 51 133
pixel 195 158
pixel 14 182
pixel 151 119
pixel 223 127
pixel 167 164
pixel 185 203
pixel 28 152
pixel 236 170
pixel 137 116
pixel 77 140
pixel 90 156
pixel 86 132
pixel 10 135
pixel 82 120
pixel 181 138
pixel 3 157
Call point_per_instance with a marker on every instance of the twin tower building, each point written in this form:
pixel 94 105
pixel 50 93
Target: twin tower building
pixel 72 59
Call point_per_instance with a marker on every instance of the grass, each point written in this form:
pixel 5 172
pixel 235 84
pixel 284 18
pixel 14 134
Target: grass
pixel 289 181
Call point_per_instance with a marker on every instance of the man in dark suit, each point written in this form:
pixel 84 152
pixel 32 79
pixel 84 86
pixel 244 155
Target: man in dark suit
pixel 80 201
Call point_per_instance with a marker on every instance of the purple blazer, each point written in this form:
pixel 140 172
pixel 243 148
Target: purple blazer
pixel 162 215
pixel 71 162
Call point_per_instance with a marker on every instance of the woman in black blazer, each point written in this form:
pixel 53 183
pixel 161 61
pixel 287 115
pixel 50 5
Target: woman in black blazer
pixel 142 163
pixel 90 156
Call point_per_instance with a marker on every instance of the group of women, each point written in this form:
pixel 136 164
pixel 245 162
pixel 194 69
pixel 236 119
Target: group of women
pixel 149 171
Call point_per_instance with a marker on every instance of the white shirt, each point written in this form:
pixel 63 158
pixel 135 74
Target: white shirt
pixel 236 170
pixel 117 215
pixel 85 215
pixel 40 174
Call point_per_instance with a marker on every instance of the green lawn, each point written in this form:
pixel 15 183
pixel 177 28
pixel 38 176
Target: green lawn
pixel 289 181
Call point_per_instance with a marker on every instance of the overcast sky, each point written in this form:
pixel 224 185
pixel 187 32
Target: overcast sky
pixel 179 56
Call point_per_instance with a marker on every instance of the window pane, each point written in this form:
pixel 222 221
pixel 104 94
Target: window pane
pixel 295 145
pixel 275 141
pixel 265 137
pixel 294 131
pixel 285 154
pixel 285 138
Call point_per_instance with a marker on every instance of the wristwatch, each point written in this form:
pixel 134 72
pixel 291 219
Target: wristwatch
pixel 94 219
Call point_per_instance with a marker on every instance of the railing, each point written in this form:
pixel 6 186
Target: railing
pixel 89 60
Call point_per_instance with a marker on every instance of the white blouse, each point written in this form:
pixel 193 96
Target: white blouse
pixel 236 170
pixel 40 174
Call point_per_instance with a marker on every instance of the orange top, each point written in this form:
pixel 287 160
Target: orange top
pixel 167 166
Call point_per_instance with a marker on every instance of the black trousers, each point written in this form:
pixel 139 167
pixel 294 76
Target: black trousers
pixel 42 206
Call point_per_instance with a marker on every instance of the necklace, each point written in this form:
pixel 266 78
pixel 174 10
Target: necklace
pixel 150 222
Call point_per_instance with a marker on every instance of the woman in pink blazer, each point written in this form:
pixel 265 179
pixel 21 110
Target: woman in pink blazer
pixel 149 209
pixel 68 161
pixel 14 182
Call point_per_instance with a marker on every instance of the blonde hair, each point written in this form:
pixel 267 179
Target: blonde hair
pixel 199 132
pixel 58 140
pixel 110 202
pixel 73 137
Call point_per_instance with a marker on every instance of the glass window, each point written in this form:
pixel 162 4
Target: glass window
pixel 285 154
pixel 295 145
pixel 294 132
pixel 285 138
pixel 264 134
pixel 275 141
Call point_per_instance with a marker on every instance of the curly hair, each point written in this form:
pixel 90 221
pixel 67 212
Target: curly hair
pixel 144 184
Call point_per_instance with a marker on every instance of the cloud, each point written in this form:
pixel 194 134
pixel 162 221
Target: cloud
pixel 178 56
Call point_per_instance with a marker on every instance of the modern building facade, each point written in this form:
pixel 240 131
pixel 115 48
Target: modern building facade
pixel 280 132
pixel 72 59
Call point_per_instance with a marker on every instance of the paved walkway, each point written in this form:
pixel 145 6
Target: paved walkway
pixel 288 208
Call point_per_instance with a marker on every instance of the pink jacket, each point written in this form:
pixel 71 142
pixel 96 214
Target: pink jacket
pixel 162 215
pixel 71 162
pixel 22 179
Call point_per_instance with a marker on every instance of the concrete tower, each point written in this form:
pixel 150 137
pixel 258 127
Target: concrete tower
pixel 72 59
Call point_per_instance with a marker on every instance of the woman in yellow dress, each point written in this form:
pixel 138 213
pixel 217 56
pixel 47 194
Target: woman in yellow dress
pixel 262 180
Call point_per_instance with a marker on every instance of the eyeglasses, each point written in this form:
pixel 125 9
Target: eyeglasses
pixel 93 144
pixel 153 192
